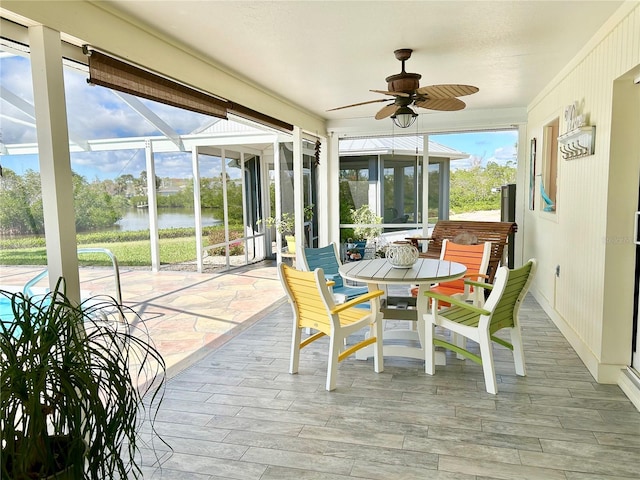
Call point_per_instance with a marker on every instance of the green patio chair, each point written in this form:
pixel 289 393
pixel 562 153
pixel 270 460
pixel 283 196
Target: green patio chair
pixel 480 324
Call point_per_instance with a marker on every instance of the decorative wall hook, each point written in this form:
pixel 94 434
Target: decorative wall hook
pixel 579 142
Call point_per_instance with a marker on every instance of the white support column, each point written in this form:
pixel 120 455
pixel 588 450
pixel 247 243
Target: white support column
pixel 522 199
pixel 425 186
pixel 331 213
pixel 197 208
pixel 245 209
pixel 225 205
pixel 152 203
pixel 54 158
pixel 324 195
pixel 278 189
pixel 298 192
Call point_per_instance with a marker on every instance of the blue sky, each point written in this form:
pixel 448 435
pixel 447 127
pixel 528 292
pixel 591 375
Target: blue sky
pixel 484 147
pixel 96 112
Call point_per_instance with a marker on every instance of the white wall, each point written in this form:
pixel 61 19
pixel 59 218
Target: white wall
pixel 589 236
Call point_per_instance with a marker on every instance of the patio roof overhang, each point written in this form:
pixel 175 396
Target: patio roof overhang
pixel 410 146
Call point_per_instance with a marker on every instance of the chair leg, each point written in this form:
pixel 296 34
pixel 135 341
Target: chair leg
pixel 488 368
pixel 332 367
pixel 378 359
pixel 518 351
pixel 295 349
pixel 429 347
pixel 460 341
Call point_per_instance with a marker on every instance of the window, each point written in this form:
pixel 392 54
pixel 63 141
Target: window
pixel 400 190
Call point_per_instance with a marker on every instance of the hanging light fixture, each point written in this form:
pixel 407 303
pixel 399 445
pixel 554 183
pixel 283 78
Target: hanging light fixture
pixel 404 117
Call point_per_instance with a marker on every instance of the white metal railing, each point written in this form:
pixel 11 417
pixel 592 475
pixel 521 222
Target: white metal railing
pixel 27 289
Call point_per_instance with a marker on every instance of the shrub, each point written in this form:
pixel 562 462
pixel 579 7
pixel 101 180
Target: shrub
pixel 217 236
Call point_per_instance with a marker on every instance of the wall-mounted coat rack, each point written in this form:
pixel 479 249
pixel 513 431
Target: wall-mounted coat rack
pixel 579 142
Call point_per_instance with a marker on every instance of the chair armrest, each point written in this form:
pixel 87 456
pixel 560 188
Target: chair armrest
pixel 488 286
pixel 457 302
pixel 355 301
pixel 330 283
pixel 475 275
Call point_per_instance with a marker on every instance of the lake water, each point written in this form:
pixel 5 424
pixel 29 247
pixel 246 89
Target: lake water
pixel 138 219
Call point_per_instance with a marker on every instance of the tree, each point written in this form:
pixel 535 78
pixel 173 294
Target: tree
pixel 471 190
pixel 22 212
pixel 125 185
pixel 94 206
pixel 142 182
pixel 21 200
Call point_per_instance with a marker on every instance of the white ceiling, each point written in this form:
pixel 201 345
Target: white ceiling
pixel 325 54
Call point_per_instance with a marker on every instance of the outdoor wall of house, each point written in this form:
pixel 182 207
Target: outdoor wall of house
pixel 127 38
pixel 589 234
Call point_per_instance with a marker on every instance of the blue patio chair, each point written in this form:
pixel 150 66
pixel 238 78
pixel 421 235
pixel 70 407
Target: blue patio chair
pixel 328 259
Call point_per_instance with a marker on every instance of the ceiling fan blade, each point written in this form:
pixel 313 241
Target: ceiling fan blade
pixel 442 104
pixel 386 111
pixel 447 90
pixel 361 103
pixel 395 94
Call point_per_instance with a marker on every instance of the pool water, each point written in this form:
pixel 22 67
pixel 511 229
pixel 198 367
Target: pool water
pixel 6 312
pixel 5 309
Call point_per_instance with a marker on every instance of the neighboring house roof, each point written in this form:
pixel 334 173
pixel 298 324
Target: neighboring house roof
pixel 232 125
pixel 405 145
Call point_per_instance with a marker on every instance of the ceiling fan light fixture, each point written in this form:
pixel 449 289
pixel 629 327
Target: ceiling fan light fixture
pixel 404 117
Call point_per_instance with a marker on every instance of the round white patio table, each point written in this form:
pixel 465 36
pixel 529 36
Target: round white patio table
pixel 424 273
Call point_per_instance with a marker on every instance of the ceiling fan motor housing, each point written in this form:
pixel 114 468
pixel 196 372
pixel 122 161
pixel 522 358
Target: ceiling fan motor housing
pixel 403 82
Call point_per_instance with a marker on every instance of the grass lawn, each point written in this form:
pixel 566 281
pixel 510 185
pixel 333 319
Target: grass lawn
pixel 129 253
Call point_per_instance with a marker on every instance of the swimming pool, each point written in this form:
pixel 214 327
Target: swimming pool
pixel 31 291
pixel 6 313
pixel 5 309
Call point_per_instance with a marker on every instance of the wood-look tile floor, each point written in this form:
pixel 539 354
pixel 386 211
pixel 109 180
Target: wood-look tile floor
pixel 238 414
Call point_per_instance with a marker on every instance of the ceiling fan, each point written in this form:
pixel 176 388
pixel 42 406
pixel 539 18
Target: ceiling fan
pixel 406 89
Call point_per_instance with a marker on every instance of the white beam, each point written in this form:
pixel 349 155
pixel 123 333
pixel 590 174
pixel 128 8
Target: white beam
pixel 55 164
pixel 324 194
pixel 245 207
pixel 298 193
pixel 425 186
pixel 440 122
pixel 146 113
pixel 26 108
pixel 278 188
pixel 197 208
pixel 152 203
pixel 332 215
pixel 240 142
pixel 225 205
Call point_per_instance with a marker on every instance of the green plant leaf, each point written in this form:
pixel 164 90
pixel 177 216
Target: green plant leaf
pixel 83 375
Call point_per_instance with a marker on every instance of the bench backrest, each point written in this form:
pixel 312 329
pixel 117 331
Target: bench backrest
pixel 476 232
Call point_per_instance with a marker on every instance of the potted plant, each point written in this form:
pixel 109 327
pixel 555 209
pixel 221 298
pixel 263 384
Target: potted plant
pixel 73 382
pixel 365 233
pixel 286 225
